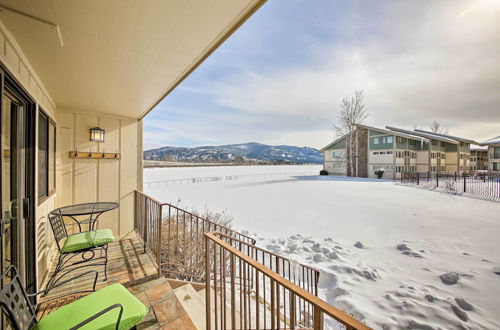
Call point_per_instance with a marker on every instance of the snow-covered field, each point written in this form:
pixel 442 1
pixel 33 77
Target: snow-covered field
pixel 408 239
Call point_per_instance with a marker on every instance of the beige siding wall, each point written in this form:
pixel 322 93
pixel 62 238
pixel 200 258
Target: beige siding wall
pixel 452 162
pixel 335 165
pixel 381 161
pixel 423 161
pixel 79 181
pixel 110 180
pixel 18 66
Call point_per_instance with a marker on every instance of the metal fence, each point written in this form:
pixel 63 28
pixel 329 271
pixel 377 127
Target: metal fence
pixel 163 183
pixel 481 185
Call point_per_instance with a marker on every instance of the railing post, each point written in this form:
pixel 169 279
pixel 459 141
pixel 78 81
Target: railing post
pixel 465 183
pixel 135 210
pixel 273 305
pixel 208 313
pixel 233 294
pixel 160 230
pixel 146 224
pixel 293 305
pixel 278 310
pixel 318 319
pixel 418 178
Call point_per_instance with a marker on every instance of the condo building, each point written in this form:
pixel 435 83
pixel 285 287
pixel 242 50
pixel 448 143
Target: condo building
pixel 478 158
pixel 493 145
pixel 374 149
pixel 394 151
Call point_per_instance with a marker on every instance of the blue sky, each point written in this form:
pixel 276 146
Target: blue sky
pixel 279 79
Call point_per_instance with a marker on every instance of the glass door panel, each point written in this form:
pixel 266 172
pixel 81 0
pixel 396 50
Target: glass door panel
pixel 12 137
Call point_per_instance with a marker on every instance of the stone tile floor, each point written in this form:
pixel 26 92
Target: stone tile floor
pixel 129 265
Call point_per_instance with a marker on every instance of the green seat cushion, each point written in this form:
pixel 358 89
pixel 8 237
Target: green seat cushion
pixel 72 314
pixel 87 239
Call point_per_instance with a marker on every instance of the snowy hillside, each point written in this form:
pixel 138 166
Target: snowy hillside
pixel 425 260
pixel 238 152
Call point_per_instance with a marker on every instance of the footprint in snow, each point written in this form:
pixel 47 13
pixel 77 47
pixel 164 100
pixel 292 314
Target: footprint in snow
pixel 460 313
pixel 464 304
pixel 449 278
pixel 359 245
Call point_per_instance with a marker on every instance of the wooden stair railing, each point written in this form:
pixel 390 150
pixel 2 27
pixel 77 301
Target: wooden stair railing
pixel 262 298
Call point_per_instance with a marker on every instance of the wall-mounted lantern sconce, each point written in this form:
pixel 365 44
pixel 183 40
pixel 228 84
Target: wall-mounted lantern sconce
pixel 97 134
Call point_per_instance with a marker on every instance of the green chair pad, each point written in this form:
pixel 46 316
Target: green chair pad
pixel 72 314
pixel 87 239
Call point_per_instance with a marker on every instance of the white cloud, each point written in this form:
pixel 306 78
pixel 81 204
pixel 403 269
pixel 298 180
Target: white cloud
pixel 425 61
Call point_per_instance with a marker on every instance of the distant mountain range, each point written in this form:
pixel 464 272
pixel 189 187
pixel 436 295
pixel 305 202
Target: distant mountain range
pixel 246 152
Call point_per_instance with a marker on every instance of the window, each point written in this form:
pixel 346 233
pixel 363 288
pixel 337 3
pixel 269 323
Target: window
pixel 386 168
pixel 46 156
pixel 389 139
pixel 337 154
pixel 375 141
pixel 399 139
pixel 389 152
pixel 375 152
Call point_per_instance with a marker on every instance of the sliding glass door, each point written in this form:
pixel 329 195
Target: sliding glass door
pixel 16 225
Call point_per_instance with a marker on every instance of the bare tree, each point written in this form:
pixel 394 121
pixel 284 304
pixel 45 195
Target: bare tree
pixel 437 127
pixel 352 112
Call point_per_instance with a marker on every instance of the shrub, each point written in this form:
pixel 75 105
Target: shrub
pixel 323 172
pixel 182 250
pixel 379 174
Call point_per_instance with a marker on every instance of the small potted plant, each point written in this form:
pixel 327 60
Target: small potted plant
pixel 379 173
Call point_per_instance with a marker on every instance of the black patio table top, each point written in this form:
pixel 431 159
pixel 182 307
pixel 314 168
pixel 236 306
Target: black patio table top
pixel 93 210
pixel 86 208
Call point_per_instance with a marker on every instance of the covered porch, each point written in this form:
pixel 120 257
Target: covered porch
pixel 131 266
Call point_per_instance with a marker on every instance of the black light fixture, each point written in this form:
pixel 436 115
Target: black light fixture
pixel 97 134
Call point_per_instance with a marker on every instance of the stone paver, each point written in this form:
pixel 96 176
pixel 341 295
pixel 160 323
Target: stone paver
pixel 129 265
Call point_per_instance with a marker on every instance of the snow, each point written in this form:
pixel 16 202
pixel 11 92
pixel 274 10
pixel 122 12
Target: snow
pixel 409 239
pixel 495 140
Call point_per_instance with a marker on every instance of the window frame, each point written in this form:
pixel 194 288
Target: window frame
pixel 50 122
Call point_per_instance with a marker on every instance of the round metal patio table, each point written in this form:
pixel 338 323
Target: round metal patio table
pixel 92 210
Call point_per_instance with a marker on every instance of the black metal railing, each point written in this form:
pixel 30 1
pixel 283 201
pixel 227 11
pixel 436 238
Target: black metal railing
pixel 479 185
pixel 174 238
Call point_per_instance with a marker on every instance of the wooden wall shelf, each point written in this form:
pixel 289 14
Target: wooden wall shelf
pixel 93 155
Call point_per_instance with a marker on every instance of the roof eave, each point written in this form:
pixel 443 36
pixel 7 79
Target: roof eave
pixel 206 54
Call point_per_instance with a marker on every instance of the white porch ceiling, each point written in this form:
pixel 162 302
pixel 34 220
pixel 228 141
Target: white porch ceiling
pixel 120 57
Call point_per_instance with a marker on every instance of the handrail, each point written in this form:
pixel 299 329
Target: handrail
pixel 149 197
pixel 264 250
pixel 194 215
pixel 210 222
pixel 174 237
pixel 319 304
pixel 279 260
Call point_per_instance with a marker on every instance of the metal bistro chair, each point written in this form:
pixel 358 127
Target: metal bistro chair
pixel 83 244
pixel 112 307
